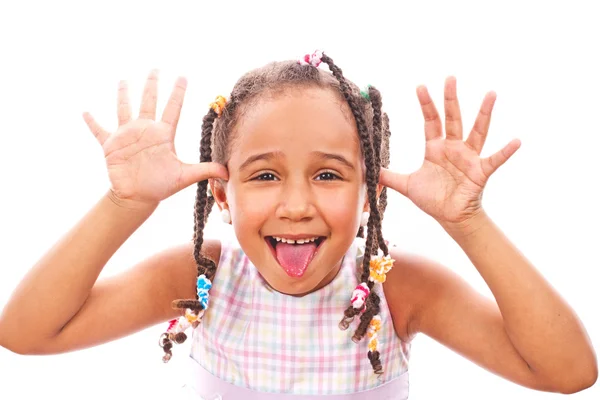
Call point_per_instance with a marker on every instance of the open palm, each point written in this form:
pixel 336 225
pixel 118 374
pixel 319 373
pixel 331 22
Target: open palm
pixel 140 155
pixel 450 183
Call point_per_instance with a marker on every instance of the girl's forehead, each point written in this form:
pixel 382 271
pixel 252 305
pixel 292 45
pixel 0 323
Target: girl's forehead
pixel 297 122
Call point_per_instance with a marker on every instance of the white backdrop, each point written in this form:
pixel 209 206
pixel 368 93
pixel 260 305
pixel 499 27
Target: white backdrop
pixel 59 59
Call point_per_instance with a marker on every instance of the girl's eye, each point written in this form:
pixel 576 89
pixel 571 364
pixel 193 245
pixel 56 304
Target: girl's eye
pixel 267 176
pixel 323 176
pixel 328 176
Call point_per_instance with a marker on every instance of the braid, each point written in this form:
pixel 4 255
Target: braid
pixel 376 103
pixel 210 202
pixel 374 223
pixel 205 265
pixel 385 160
pixel 361 232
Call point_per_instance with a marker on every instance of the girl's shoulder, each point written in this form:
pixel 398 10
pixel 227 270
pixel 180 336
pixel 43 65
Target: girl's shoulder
pixel 403 290
pixel 399 286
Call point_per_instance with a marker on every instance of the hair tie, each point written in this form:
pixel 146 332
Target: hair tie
pixel 219 104
pixel 191 318
pixel 374 327
pixel 313 59
pixel 379 266
pixel 203 284
pixel 365 93
pixel 359 295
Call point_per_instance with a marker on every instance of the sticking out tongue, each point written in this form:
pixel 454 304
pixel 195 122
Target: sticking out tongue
pixel 294 258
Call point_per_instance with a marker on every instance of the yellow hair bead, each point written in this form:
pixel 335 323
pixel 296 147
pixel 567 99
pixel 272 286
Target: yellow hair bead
pixel 373 345
pixel 379 266
pixel 190 316
pixel 374 326
pixel 219 104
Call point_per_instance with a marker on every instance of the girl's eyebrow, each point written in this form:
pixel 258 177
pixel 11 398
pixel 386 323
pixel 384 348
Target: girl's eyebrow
pixel 279 154
pixel 262 156
pixel 332 156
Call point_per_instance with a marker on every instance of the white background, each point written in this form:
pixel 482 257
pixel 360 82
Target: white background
pixel 58 60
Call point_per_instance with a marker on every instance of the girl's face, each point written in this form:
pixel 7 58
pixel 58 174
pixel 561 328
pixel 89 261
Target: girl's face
pixel 296 172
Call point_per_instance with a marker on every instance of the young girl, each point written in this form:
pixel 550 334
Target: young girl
pixel 301 302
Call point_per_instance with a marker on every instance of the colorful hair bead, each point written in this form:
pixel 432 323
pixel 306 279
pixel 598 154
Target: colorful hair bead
pixel 313 59
pixel 360 293
pixel 365 93
pixel 203 284
pixel 191 317
pixel 219 104
pixel 379 266
pixel 374 327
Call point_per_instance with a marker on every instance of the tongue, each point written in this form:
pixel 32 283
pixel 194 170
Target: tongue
pixel 294 258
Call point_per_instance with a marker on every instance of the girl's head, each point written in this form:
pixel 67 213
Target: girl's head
pixel 303 148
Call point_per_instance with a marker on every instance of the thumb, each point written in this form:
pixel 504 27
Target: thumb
pixel 194 173
pixel 394 180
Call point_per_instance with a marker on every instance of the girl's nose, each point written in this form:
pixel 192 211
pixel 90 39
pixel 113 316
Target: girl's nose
pixel 296 203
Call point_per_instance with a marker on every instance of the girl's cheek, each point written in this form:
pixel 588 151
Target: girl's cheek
pixel 339 210
pixel 254 203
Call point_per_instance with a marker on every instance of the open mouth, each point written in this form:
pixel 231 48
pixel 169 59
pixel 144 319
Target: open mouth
pixel 294 256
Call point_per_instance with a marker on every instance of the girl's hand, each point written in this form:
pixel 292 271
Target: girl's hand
pixel 140 155
pixel 449 184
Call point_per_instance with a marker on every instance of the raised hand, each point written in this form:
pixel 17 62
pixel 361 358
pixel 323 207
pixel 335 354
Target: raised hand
pixel 450 183
pixel 140 155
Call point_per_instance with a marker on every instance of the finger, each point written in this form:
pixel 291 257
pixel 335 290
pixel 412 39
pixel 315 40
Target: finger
pixel 478 134
pixel 99 132
pixel 433 125
pixel 493 162
pixel 123 105
pixel 148 106
pixel 193 173
pixel 452 110
pixel 394 180
pixel 173 107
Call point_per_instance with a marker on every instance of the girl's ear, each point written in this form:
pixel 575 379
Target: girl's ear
pixel 217 188
pixel 379 189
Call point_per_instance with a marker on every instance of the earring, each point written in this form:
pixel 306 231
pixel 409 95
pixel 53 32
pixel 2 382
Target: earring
pixel 364 219
pixel 226 216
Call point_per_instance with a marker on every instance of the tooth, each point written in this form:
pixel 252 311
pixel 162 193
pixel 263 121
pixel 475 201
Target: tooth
pixel 301 241
pixel 278 239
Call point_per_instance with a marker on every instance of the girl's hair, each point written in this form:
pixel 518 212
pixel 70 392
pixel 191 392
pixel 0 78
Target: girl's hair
pixel 218 135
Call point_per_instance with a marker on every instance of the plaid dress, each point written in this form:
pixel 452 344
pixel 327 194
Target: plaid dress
pixel 256 338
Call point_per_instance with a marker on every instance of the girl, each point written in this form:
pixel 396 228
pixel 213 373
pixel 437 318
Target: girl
pixel 301 302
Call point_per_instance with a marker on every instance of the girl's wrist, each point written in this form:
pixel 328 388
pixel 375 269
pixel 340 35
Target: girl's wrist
pixel 467 227
pixel 131 205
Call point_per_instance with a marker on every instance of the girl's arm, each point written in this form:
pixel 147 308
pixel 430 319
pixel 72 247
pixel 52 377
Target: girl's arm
pixel 59 307
pixel 531 336
pixel 55 289
pixel 540 324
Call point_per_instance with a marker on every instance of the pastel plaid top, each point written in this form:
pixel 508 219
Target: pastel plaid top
pixel 257 338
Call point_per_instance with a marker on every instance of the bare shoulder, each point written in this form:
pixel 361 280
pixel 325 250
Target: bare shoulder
pixel 426 296
pixel 408 286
